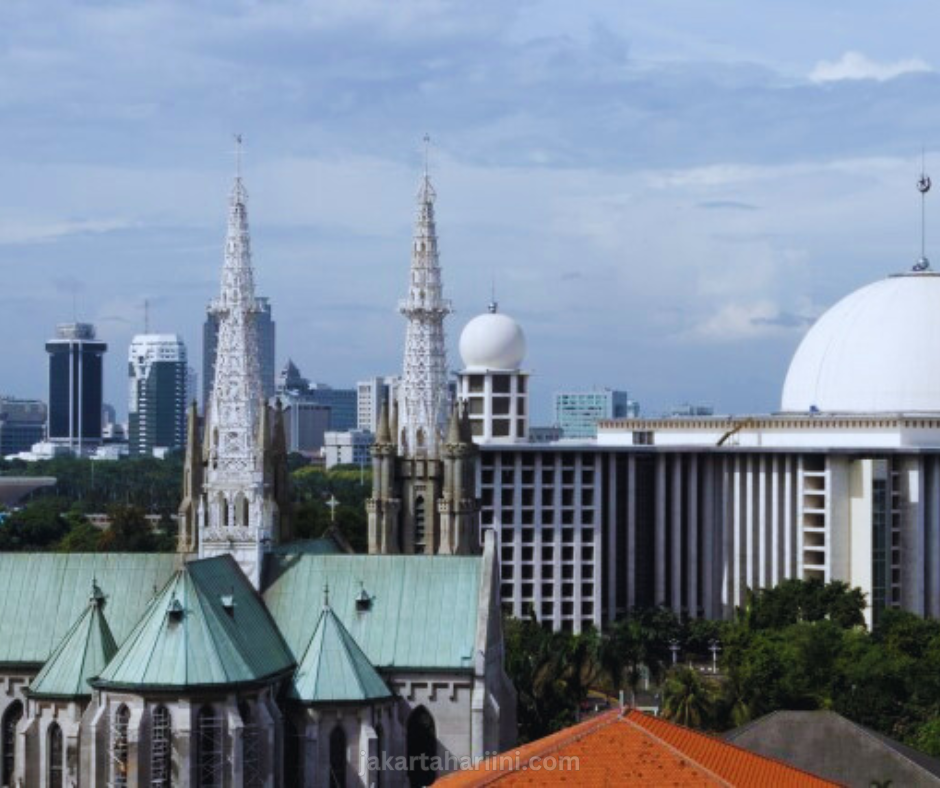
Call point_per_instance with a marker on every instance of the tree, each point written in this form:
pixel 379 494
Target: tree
pixel 689 699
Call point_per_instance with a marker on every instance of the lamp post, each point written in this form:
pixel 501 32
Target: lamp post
pixel 715 647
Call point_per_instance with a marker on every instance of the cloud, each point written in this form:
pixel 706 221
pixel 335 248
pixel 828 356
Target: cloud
pixel 854 65
pixel 727 205
pixel 736 322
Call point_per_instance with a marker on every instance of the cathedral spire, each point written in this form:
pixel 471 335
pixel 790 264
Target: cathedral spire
pixel 423 392
pixel 236 514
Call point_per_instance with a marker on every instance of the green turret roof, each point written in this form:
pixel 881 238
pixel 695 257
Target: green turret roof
pixel 334 669
pixel 86 649
pixel 206 628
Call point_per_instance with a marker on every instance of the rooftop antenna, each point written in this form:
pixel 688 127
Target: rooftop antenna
pixel 493 306
pixel 427 148
pixel 146 316
pixel 923 186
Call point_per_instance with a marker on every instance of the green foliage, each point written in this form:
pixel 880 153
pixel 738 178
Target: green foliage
pixel 38 526
pixel 313 487
pixel 690 699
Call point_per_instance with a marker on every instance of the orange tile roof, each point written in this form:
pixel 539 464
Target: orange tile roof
pixel 632 749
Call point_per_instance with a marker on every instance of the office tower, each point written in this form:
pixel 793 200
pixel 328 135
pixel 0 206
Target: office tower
pixel 265 330
pixel 371 394
pixel 75 387
pixel 347 448
pixel 22 423
pixel 157 397
pixel 341 402
pixel 577 412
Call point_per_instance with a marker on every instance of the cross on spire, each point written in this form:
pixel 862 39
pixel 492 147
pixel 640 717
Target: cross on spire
pixel 238 154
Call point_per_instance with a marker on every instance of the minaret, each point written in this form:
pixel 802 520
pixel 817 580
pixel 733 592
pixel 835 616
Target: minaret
pixel 423 391
pixel 236 518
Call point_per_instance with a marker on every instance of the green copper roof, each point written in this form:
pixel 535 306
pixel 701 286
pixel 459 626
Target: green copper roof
pixel 207 627
pixel 42 595
pixel 334 669
pixel 86 649
pixel 323 545
pixel 422 610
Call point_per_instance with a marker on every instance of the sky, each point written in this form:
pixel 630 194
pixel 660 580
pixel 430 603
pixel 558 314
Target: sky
pixel 665 193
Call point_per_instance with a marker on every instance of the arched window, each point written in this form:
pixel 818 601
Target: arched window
pixel 209 748
pixel 161 749
pixel 223 510
pixel 292 773
pixel 380 754
pixel 422 746
pixel 251 748
pixel 119 725
pixel 54 750
pixel 11 718
pixel 338 758
pixel 420 525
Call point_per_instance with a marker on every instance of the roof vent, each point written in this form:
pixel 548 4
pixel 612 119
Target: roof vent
pixel 228 603
pixel 363 600
pixel 175 610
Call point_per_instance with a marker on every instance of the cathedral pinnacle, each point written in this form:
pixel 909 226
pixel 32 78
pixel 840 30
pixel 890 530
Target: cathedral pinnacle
pixel 423 393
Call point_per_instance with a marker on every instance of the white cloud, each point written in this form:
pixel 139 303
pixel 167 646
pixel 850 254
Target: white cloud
pixel 854 65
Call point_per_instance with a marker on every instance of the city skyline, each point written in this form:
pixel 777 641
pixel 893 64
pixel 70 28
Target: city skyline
pixel 657 201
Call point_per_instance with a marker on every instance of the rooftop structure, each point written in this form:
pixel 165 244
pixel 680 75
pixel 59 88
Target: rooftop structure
pixel 631 748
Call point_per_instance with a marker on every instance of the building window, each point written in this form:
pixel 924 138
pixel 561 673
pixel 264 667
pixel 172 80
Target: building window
pixel 55 756
pixel 11 719
pixel 251 748
pixel 380 752
pixel 209 764
pixel 419 525
pixel 338 758
pixel 119 725
pixel 422 747
pixel 160 753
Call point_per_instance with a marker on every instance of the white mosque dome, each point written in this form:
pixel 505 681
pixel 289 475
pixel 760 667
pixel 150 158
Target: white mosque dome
pixel 877 350
pixel 492 341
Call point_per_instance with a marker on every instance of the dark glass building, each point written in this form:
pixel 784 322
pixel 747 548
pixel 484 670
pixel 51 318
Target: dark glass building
pixel 75 387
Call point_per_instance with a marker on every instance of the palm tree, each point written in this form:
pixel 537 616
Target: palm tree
pixel 689 699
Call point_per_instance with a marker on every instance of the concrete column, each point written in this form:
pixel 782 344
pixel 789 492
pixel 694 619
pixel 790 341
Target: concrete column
pixel 709 538
pixel 614 550
pixel 750 527
pixel 631 531
pixel 676 552
pixel 692 535
pixel 790 526
pixel 763 537
pixel 659 535
pixel 728 529
pixel 739 544
pixel 776 543
pixel 932 473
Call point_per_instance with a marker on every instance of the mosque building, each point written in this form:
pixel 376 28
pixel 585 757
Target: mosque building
pixel 248 658
pixel 842 484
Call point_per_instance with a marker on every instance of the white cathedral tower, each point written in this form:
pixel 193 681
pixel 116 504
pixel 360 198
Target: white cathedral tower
pixel 422 396
pixel 236 513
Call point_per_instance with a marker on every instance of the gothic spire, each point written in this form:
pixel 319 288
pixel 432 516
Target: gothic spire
pixel 423 392
pixel 237 387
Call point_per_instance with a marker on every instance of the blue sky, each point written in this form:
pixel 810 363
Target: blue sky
pixel 667 193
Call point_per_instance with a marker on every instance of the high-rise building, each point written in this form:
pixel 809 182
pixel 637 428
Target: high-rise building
pixel 75 387
pixel 157 397
pixel 22 423
pixel 352 447
pixel 265 331
pixel 341 402
pixel 371 394
pixel 311 409
pixel 577 412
